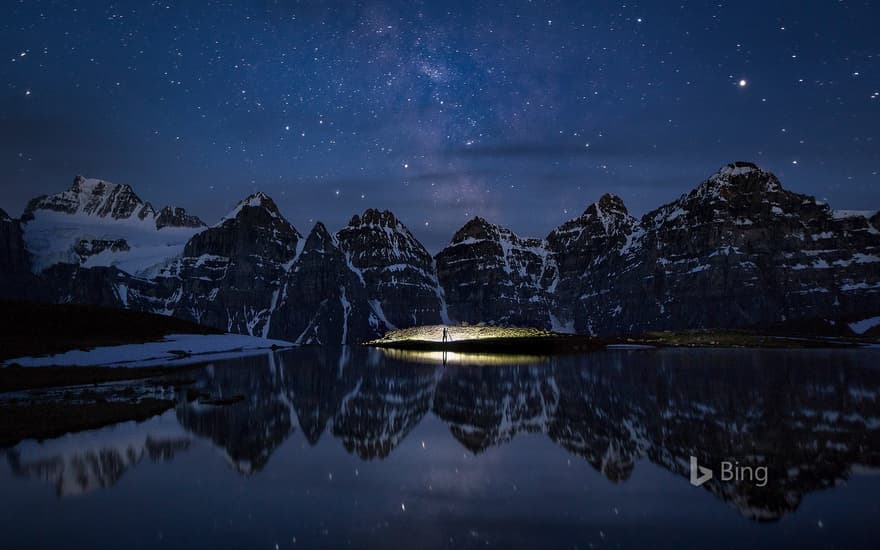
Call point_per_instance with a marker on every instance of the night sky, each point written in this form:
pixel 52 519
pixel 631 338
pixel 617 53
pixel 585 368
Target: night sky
pixel 521 112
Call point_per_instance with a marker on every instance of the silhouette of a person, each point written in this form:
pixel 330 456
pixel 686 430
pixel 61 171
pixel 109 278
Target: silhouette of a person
pixel 445 334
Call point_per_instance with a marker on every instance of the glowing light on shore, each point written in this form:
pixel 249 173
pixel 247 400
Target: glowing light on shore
pixel 434 333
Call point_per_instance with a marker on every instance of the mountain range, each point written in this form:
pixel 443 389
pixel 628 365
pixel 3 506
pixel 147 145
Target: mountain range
pixel 739 250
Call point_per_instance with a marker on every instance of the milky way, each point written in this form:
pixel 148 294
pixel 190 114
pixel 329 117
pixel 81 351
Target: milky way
pixel 521 112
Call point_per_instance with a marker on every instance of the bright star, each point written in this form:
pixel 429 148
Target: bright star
pixel 742 83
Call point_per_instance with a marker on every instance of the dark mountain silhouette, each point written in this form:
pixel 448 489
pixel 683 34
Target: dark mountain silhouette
pixel 738 250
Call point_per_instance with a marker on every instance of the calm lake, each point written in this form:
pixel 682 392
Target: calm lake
pixel 374 449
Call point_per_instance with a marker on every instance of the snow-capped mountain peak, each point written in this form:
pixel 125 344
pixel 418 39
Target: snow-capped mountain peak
pixel 96 199
pixel 96 223
pixel 320 240
pixel 737 178
pixel 493 266
pixel 735 251
pixel 378 236
pixel 254 200
pixel 475 228
pixel 394 266
pixel 604 218
pixel 373 216
pixel 478 229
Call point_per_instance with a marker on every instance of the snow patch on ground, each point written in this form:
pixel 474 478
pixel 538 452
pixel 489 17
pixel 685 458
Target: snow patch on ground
pixel 863 326
pixel 173 349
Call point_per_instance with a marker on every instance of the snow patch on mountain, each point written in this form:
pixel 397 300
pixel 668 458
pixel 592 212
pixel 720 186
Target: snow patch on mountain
pixel 74 227
pixel 52 237
pixel 255 200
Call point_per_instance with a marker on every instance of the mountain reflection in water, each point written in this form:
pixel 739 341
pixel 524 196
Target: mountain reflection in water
pixel 811 417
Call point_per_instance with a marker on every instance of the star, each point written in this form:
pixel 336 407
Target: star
pixel 472 96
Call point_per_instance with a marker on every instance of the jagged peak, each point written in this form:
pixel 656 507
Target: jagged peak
pixel 255 200
pixel 95 198
pixel 82 184
pixel 319 238
pixel 320 229
pixel 479 220
pixel 609 211
pixel 259 199
pixel 732 183
pixel 258 210
pixel 4 217
pixel 374 216
pixel 478 228
pixel 740 175
pixel 738 167
pixel 610 202
pixel 88 186
pixel 377 236
pixel 175 216
pixel 170 209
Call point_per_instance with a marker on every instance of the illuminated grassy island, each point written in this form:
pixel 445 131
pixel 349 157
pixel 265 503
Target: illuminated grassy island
pixel 484 339
pixel 532 342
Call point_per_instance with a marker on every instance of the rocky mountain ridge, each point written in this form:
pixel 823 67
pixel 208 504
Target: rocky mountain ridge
pixel 100 224
pixel 101 199
pixel 738 250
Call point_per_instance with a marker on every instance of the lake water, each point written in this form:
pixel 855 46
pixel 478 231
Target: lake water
pixel 369 449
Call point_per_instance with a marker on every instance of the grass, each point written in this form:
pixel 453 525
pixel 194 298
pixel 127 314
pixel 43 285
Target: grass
pixel 434 333
pixel 532 341
pixel 485 339
pixel 735 339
